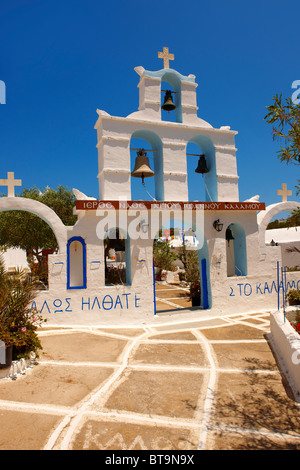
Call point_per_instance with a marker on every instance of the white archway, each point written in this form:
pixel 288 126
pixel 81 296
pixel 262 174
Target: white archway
pixel 42 211
pixel 264 217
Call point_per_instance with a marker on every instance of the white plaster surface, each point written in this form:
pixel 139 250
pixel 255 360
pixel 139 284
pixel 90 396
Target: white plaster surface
pixel 287 343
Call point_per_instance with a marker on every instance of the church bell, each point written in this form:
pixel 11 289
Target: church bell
pixel 142 167
pixel 229 235
pixel 168 102
pixel 202 168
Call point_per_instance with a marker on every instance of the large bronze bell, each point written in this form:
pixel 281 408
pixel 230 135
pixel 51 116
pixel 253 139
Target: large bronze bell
pixel 168 102
pixel 202 168
pixel 229 235
pixel 142 167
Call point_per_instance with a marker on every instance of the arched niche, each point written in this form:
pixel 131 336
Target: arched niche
pixel 236 250
pixel 172 79
pixel 155 188
pixel 202 145
pixel 76 263
pixel 117 257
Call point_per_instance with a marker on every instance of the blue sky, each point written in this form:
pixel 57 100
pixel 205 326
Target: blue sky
pixel 61 60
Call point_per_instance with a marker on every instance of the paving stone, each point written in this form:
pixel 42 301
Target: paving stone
pixel 172 354
pixel 102 435
pixel 25 430
pixel 159 393
pixel 255 401
pixel 226 440
pixel 244 356
pixel 236 331
pixel 54 385
pixel 81 347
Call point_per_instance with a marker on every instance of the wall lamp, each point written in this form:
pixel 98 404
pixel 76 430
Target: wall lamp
pixel 144 226
pixel 218 226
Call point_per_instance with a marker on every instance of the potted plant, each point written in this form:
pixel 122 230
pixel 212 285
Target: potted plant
pixel 18 322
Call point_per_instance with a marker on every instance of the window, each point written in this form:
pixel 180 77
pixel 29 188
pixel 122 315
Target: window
pixel 236 251
pixel 117 257
pixel 76 263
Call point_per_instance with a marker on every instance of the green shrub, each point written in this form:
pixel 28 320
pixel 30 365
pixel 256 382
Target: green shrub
pixel 18 323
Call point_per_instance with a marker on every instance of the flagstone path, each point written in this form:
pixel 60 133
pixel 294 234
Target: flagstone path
pixel 210 384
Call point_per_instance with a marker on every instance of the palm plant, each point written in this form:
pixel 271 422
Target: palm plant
pixel 18 322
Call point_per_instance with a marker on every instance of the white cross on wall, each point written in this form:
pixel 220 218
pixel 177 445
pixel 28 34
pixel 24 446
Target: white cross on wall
pixel 10 182
pixel 284 192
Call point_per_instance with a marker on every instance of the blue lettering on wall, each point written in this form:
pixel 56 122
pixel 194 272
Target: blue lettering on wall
pixel 275 287
pixel 126 296
pixel 262 289
pixel 258 289
pixel 247 290
pixel 266 288
pixel 118 302
pixel 96 300
pixel 45 303
pixel 108 302
pixel 57 304
pixel 85 303
pixel 69 305
pixel 291 285
pixel 136 300
pixel 240 286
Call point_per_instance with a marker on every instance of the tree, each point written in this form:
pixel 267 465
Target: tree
pixel 284 116
pixel 190 261
pixel 20 229
pixel 162 256
pixel 285 119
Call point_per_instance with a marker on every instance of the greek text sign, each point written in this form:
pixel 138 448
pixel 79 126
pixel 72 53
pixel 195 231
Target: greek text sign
pixel 87 303
pixel 169 205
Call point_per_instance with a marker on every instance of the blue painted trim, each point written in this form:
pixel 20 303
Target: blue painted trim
pixel 204 283
pixel 81 240
pixel 278 299
pixel 154 293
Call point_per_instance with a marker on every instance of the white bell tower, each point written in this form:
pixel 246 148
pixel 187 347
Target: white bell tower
pixel 168 140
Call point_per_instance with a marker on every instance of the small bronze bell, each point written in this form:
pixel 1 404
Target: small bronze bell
pixel 168 102
pixel 202 168
pixel 142 167
pixel 229 235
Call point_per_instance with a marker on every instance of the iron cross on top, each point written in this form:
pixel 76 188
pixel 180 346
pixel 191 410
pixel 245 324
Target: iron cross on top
pixel 166 56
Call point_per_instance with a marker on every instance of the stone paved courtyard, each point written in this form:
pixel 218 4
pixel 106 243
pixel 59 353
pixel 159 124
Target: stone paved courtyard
pixel 210 384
